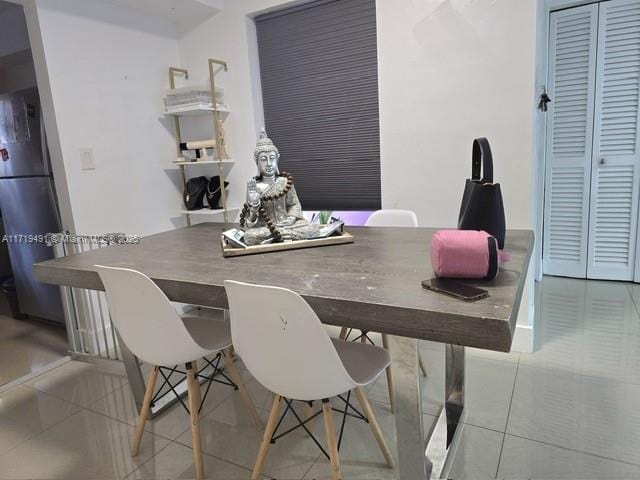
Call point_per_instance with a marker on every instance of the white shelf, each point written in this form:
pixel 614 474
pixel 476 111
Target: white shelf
pixel 208 161
pixel 194 110
pixel 207 211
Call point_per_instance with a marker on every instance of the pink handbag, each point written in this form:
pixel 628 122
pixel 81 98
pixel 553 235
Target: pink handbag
pixel 464 254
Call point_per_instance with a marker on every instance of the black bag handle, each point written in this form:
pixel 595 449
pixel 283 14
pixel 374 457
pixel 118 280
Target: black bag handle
pixel 482 159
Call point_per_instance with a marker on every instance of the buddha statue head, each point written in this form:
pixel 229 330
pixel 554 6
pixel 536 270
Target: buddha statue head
pixel 266 156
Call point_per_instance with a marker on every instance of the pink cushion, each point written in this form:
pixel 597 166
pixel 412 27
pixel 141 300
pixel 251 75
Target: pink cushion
pixel 460 253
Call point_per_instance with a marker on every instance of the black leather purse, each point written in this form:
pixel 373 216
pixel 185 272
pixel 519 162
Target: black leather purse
pixel 482 207
pixel 214 192
pixel 193 193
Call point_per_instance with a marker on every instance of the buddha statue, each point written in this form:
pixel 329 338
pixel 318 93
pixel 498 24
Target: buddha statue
pixel 272 212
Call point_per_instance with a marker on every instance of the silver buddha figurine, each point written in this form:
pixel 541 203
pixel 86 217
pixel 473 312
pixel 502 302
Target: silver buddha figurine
pixel 272 212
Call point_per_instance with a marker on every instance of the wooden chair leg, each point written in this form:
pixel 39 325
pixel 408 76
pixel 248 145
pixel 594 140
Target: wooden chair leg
pixel 330 430
pixel 193 386
pixel 375 427
pixel 266 438
pixel 423 369
pixel 343 333
pixel 144 413
pixel 237 379
pixel 392 393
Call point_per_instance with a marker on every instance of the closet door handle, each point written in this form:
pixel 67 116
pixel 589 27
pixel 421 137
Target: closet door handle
pixel 602 161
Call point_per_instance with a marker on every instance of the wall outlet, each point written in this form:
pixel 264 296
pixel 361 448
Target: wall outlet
pixel 87 160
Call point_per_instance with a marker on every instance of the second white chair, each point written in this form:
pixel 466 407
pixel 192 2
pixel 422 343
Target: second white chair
pixel 152 329
pixel 285 347
pixel 388 218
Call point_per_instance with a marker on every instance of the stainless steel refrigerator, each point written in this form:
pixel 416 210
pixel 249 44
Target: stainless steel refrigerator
pixel 27 201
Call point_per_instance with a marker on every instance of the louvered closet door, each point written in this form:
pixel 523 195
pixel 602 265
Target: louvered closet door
pixel 615 165
pixel 571 85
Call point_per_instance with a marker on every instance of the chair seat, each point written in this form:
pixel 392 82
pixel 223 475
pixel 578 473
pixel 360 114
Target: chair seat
pixel 211 334
pixel 363 362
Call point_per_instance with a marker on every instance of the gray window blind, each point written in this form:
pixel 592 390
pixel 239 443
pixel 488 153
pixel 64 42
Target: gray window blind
pixel 319 74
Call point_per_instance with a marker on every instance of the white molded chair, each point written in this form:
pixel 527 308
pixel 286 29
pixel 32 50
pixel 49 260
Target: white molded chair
pixel 389 218
pixel 152 329
pixel 286 348
pixel 392 218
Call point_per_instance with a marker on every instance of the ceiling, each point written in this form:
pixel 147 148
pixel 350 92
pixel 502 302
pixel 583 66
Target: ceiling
pixel 182 13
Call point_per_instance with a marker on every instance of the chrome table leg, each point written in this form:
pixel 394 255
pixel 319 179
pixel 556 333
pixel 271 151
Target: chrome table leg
pixel 412 461
pixel 454 388
pixel 415 461
pixel 134 373
pixel 443 442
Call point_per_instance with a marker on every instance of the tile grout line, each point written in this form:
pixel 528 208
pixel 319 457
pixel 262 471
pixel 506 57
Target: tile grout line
pixel 78 404
pixel 64 400
pixel 574 450
pixel 135 422
pixel 249 469
pixel 66 417
pixel 124 422
pixel 553 444
pixel 136 468
pixel 313 464
pixel 504 434
pixel 29 377
pixel 189 448
pixel 244 467
pixel 170 440
pixel 573 371
pixel 43 431
pixel 635 306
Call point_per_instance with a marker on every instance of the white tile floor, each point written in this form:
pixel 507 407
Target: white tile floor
pixel 27 346
pixel 569 411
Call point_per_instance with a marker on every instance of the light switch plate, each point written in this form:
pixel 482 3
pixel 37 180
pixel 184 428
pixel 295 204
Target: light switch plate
pixel 87 160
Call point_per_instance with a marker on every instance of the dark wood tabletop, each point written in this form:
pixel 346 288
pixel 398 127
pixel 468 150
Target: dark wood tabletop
pixel 373 284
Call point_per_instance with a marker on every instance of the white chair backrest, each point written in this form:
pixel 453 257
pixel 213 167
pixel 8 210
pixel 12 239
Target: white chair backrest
pixel 146 321
pixel 392 218
pixel 283 344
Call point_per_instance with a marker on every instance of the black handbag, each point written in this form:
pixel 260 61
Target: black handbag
pixel 193 193
pixel 214 192
pixel 482 207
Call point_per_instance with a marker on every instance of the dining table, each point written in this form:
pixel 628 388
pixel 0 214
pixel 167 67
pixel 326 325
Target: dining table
pixel 373 284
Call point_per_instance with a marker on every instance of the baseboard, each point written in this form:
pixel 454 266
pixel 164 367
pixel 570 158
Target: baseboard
pixel 31 376
pixel 523 339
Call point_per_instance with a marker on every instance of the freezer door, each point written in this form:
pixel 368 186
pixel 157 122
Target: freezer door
pixel 21 147
pixel 28 209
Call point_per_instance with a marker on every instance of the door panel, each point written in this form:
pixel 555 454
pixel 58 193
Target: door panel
pixel 571 85
pixel 615 162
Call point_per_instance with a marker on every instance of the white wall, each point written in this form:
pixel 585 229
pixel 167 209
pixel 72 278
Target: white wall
pixel 106 68
pixel 230 35
pixel 449 71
